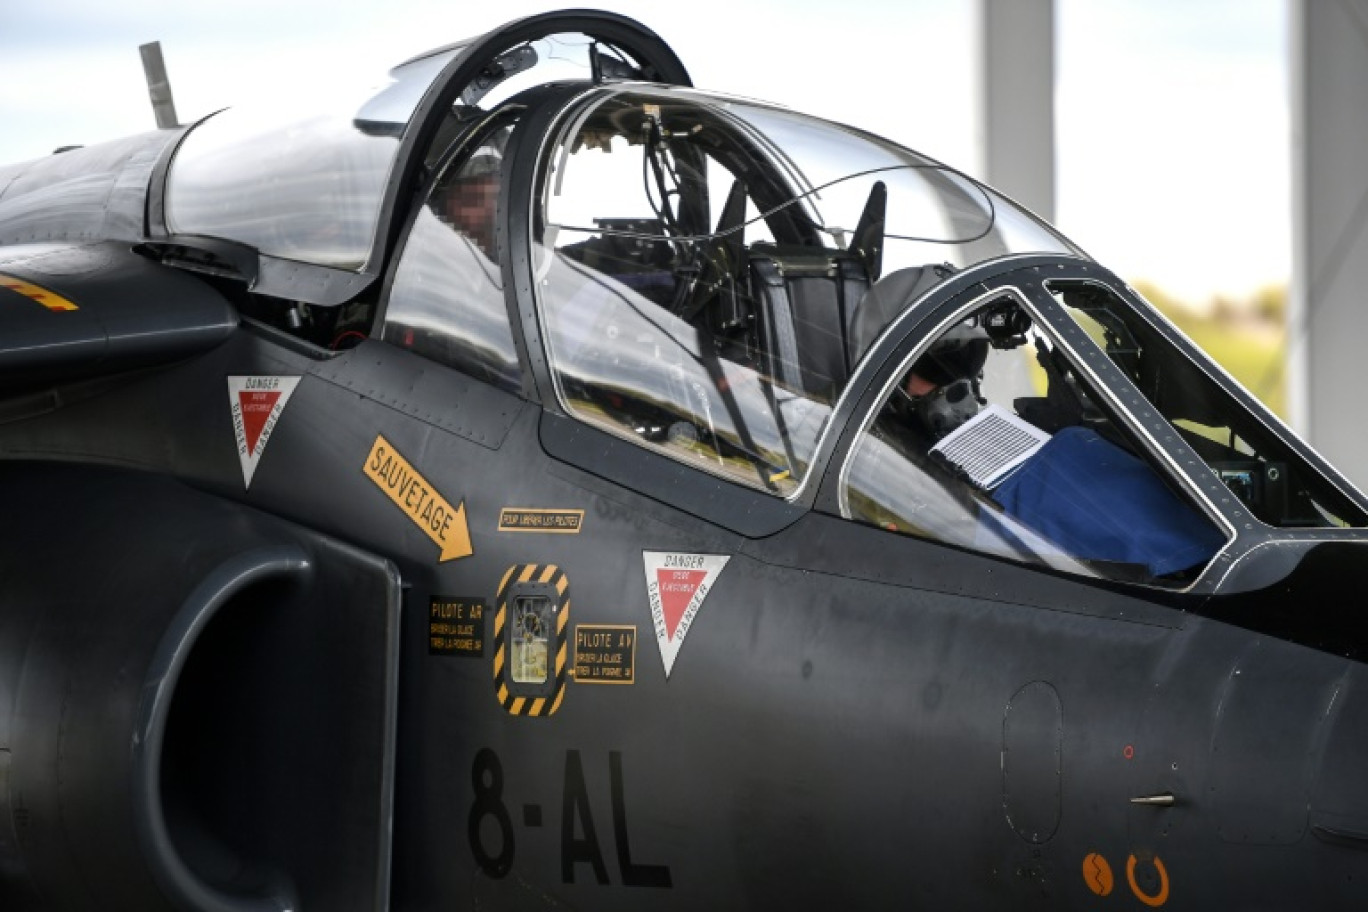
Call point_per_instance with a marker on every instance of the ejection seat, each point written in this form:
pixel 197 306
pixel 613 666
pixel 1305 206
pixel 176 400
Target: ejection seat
pixel 807 302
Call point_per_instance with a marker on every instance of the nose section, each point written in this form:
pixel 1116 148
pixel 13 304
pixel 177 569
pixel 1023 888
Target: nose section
pixel 1339 799
pixel 1274 711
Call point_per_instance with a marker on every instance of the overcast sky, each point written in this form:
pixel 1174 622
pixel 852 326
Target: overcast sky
pixel 1172 115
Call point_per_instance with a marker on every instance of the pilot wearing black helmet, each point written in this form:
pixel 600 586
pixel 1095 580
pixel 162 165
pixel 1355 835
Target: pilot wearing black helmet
pixel 1092 498
pixel 941 391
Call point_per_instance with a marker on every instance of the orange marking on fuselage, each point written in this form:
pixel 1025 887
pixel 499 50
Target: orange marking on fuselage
pixel 1153 901
pixel 53 302
pixel 1098 874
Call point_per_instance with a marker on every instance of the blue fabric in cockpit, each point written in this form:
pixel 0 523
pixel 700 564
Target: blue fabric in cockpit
pixel 1095 501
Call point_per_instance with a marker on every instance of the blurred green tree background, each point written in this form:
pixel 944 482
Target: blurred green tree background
pixel 1245 336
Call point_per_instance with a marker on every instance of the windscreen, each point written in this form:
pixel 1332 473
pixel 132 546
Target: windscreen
pixel 1242 445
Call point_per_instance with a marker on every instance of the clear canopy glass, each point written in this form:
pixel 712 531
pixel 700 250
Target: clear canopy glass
pixel 310 188
pixel 306 189
pixel 709 268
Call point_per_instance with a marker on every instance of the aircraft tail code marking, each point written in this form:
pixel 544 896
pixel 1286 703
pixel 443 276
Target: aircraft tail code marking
pixel 53 302
pixel 677 584
pixel 525 639
pixel 256 404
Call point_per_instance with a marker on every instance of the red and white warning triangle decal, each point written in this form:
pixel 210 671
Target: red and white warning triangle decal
pixel 677 585
pixel 256 403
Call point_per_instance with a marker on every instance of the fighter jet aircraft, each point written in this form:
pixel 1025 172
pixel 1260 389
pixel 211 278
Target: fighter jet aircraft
pixel 540 484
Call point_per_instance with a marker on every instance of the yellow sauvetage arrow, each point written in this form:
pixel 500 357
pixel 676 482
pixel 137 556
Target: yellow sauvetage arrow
pixel 410 491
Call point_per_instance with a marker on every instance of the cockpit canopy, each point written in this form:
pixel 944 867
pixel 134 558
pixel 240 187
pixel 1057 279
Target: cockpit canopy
pixel 711 259
pixel 306 189
pixel 311 189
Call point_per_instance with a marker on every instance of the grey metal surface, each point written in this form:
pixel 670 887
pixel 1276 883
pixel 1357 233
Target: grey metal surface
pixel 1327 319
pixel 158 85
pixel 1017 71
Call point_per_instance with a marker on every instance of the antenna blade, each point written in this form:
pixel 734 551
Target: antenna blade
pixel 158 85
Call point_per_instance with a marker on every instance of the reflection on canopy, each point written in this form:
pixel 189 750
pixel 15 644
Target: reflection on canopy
pixel 703 261
pixel 311 189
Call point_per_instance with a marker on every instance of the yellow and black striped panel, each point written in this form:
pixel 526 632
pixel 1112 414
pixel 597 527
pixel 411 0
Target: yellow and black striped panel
pixel 544 579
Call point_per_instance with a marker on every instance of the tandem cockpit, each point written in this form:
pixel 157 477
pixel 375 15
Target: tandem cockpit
pixel 800 308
